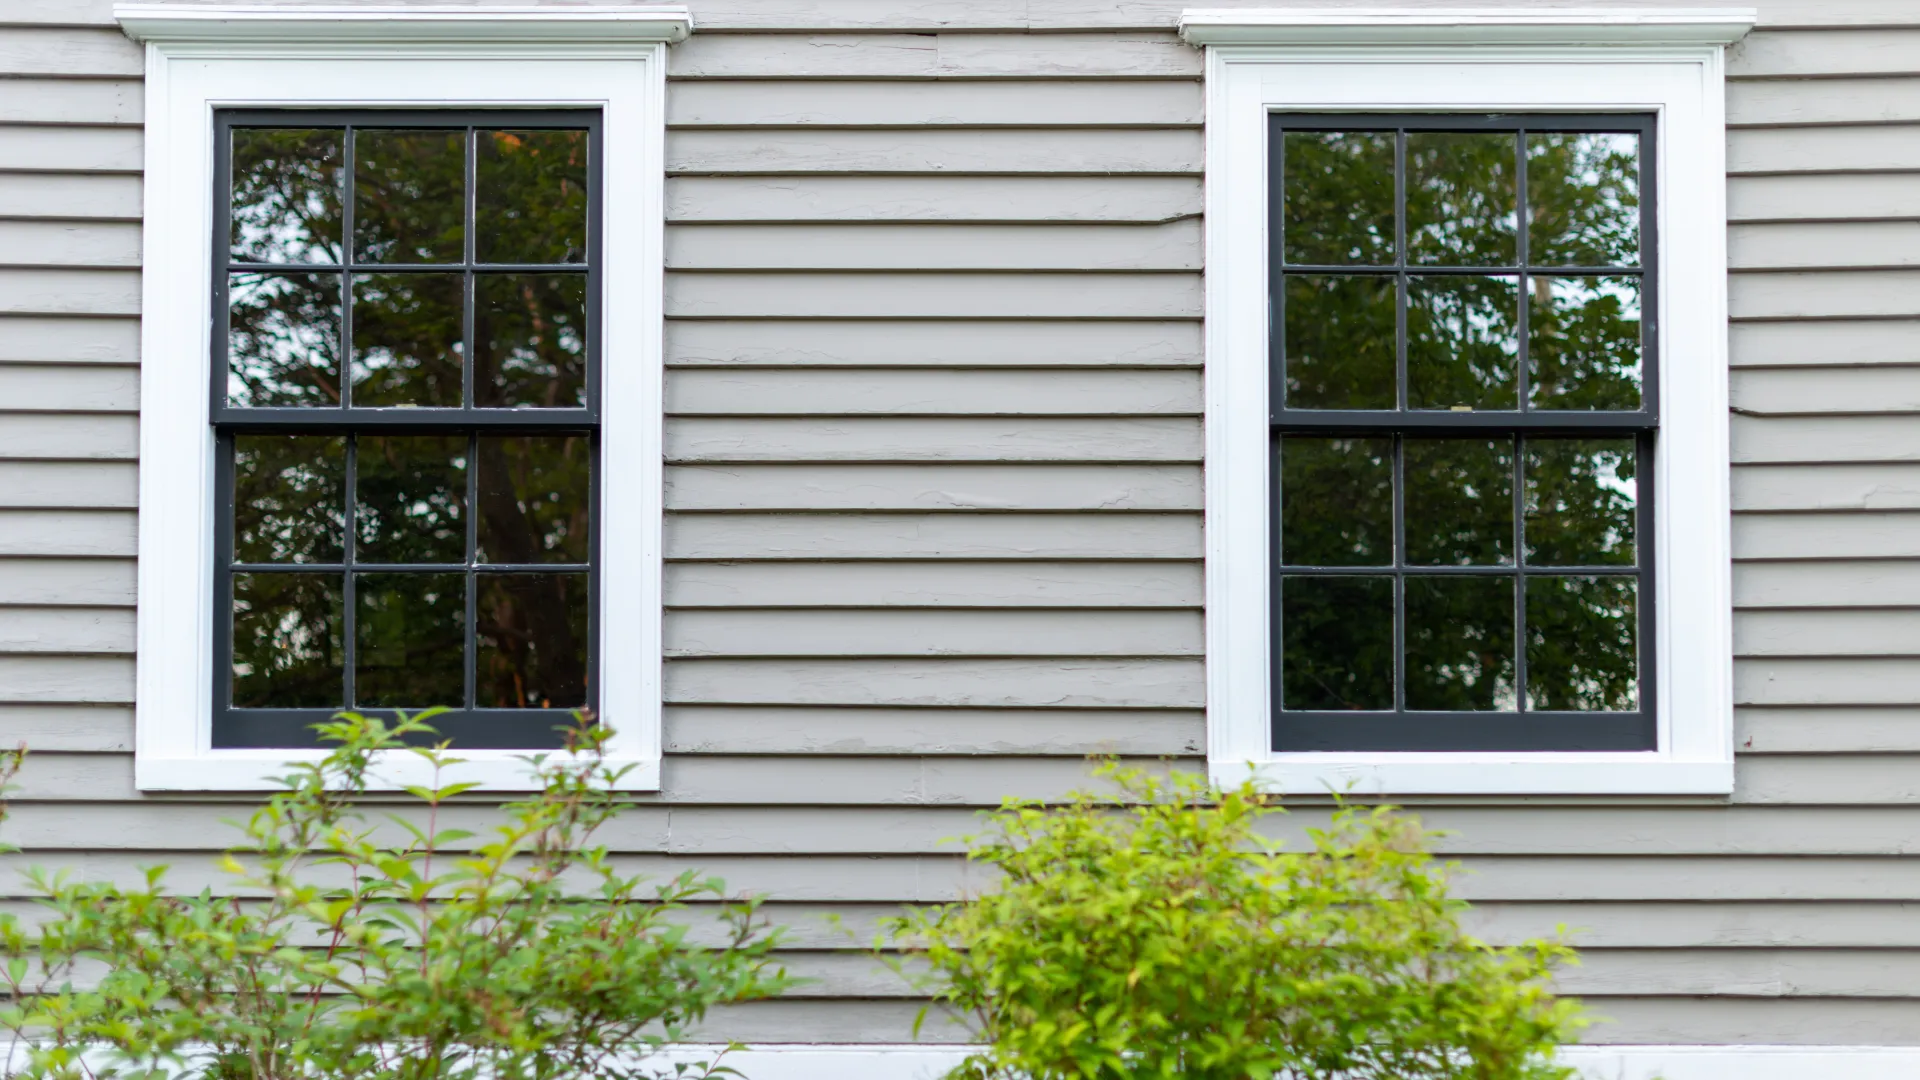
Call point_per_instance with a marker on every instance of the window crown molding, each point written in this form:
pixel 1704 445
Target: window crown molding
pixel 1465 26
pixel 282 24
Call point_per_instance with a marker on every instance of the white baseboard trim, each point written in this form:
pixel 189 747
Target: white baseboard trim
pixel 908 1062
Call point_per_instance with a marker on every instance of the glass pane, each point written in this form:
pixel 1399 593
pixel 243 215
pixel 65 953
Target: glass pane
pixel 1583 343
pixel 1336 502
pixel 535 498
pixel 1581 495
pixel 286 641
pixel 283 339
pixel 409 196
pixel 530 334
pixel 1338 634
pixel 532 640
pixel 532 197
pixel 1340 342
pixel 1459 502
pixel 286 195
pixel 407 339
pixel 1583 199
pixel 1462 191
pixel 1581 654
pixel 412 498
pixel 1339 197
pixel 1462 342
pixel 289 498
pixel 410 640
pixel 1460 643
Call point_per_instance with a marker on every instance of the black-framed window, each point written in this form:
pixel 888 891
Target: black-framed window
pixel 1464 416
pixel 406 404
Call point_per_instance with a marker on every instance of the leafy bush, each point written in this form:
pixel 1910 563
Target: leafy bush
pixel 1152 935
pixel 399 948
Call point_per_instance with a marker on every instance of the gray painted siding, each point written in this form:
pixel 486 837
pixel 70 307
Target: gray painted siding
pixel 935 486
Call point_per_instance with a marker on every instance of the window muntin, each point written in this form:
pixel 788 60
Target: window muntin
pixel 405 402
pixel 1462 479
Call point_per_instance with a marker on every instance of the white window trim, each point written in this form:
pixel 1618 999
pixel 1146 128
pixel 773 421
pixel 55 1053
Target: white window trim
pixel 200 58
pixel 1331 60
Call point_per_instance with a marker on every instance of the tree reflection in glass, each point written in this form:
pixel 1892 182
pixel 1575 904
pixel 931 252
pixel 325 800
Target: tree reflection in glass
pixel 407 346
pixel 532 637
pixel 1581 644
pixel 1338 198
pixel 286 195
pixel 289 498
pixel 530 335
pixel 532 196
pixel 1340 342
pixel 1459 502
pixel 1583 343
pixel 1459 641
pixel 1463 343
pixel 535 498
pixel 287 641
pixel 1581 501
pixel 1336 501
pixel 283 339
pixel 412 499
pixel 410 640
pixel 1583 199
pixel 1337 642
pixel 409 195
pixel 1462 198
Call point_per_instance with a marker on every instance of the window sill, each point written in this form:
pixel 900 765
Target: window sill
pixel 1479 774
pixel 258 770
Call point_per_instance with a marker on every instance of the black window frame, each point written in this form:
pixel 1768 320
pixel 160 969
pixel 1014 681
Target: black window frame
pixel 1522 730
pixel 468 727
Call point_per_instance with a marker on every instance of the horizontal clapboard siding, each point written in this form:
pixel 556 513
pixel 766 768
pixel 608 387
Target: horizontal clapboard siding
pixel 934 529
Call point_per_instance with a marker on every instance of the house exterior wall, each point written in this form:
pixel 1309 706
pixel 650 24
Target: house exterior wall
pixel 934 493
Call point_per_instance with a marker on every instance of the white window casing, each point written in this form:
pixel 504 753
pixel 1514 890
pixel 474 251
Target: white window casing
pixel 200 58
pixel 1668 63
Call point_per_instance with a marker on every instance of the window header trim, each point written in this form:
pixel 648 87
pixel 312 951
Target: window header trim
pixel 1457 27
pixel 291 25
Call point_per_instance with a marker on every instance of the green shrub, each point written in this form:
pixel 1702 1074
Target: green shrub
pixel 394 948
pixel 1152 935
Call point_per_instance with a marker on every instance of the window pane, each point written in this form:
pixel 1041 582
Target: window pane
pixel 1462 192
pixel 1459 502
pixel 1338 192
pixel 532 197
pixel 412 498
pixel 289 498
pixel 286 195
pixel 1460 643
pixel 1581 654
pixel 1581 496
pixel 1336 502
pixel 409 196
pixel 1340 342
pixel 410 640
pixel 1583 343
pixel 1583 199
pixel 286 641
pixel 283 339
pixel 530 335
pixel 1338 642
pixel 1462 342
pixel 532 640
pixel 535 497
pixel 407 339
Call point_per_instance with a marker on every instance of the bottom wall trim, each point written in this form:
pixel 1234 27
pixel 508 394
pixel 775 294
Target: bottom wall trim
pixel 874 1062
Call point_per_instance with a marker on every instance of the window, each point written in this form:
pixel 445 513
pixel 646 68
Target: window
pixel 1460 407
pixel 405 402
pixel 413 457
pixel 1467 482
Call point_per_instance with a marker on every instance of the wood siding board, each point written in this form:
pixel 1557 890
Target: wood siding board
pixel 934 343
pixel 935 56
pixel 929 487
pixel 789 730
pixel 968 683
pixel 1171 246
pixel 70 101
pixel 890 583
pixel 1063 105
pixel 66 485
pixel 1830 197
pixel 1818 439
pixel 1775 54
pixel 68 389
pixel 43 291
pixel 748 632
pixel 987 153
pixel 67 631
pixel 893 296
pixel 1825 294
pixel 1825 344
pixel 1825 681
pixel 1856 393
pixel 946 391
pixel 899 439
pixel 82 680
pixel 98 729
pixel 932 198
pixel 70 243
pixel 69 53
pixel 933 536
pixel 68 340
pixel 1843 583
pixel 68 437
pixel 55 582
pixel 1822 101
pixel 1827 536
pixel 50 149
pixel 79 533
